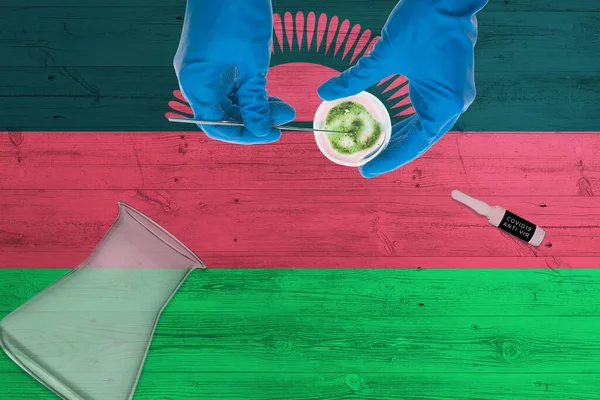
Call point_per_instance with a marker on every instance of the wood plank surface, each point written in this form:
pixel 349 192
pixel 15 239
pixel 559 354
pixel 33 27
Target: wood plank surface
pixel 492 6
pixel 512 164
pixel 275 229
pixel 264 206
pixel 142 36
pixel 391 290
pixel 414 334
pixel 536 63
pixel 120 99
pixel 340 385
pixel 397 293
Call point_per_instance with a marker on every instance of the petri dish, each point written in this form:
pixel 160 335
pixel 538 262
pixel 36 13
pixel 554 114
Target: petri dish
pixel 355 150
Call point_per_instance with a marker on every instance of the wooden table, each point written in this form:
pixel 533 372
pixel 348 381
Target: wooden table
pixel 374 289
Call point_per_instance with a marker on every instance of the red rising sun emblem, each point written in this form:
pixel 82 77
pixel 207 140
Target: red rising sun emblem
pixel 306 52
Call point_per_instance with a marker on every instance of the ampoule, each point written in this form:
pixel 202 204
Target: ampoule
pixel 503 219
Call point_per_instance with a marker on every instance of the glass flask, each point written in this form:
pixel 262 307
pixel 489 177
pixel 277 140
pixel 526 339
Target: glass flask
pixel 86 336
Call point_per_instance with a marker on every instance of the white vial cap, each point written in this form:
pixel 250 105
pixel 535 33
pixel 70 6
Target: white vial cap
pixel 537 237
pixel 477 205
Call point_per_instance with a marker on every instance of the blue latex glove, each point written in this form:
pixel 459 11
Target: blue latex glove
pixel 431 43
pixel 222 63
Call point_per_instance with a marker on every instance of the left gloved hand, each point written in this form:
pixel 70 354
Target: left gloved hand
pixel 431 43
pixel 222 63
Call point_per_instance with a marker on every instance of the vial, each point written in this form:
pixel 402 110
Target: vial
pixel 503 219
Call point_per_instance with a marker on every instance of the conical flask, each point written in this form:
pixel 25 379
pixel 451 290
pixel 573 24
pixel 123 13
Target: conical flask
pixel 86 336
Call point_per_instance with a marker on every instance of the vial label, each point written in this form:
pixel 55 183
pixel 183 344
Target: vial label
pixel 517 226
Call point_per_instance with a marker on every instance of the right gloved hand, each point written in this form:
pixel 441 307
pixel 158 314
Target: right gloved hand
pixel 222 63
pixel 431 43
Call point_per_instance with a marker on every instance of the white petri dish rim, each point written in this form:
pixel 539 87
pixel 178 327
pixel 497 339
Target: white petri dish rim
pixel 376 108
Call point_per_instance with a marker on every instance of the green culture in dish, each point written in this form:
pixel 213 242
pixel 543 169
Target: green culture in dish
pixel 351 117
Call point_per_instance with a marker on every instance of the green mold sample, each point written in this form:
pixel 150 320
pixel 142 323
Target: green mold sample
pixel 348 116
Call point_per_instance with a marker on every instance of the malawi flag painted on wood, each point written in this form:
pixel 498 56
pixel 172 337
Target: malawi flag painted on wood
pixel 85 90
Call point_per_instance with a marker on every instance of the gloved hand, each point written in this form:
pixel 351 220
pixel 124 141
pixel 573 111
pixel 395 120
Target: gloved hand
pixel 431 43
pixel 222 63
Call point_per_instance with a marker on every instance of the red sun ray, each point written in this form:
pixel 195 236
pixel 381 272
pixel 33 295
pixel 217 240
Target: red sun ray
pixel 341 36
pixel 289 28
pixel 300 28
pixel 351 39
pixel 278 28
pixel 310 28
pixel 403 91
pixel 180 107
pixel 408 111
pixel 400 80
pixel 333 25
pixel 321 30
pixel 384 80
pixel 360 45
